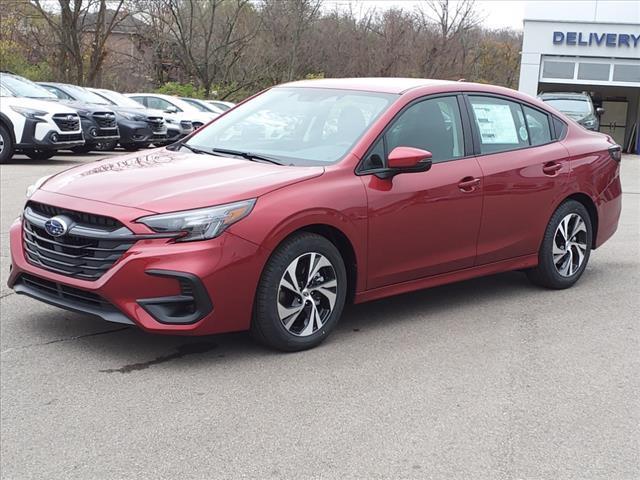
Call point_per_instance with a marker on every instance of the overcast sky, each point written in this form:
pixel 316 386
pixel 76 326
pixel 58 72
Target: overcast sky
pixel 496 13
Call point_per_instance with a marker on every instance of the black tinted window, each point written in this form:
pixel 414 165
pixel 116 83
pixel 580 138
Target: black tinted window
pixel 538 123
pixel 432 125
pixel 500 124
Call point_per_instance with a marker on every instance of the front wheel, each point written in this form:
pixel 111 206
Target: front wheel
pixel 81 149
pixel 565 248
pixel 6 145
pixel 301 294
pixel 36 154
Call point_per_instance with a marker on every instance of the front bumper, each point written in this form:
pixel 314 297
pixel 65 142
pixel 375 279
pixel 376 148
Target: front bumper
pixel 138 133
pixel 150 284
pixel 94 134
pixel 46 136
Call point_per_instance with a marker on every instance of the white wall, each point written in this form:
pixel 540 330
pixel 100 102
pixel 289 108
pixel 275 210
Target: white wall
pixel 599 11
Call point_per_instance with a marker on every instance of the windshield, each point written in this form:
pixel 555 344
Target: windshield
pixel 299 126
pixel 119 99
pixel 572 105
pixel 84 95
pixel 21 87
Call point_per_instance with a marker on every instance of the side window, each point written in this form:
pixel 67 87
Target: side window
pixel 58 93
pixel 157 103
pixel 376 157
pixel 560 128
pixel 500 124
pixel 538 123
pixel 142 100
pixel 434 125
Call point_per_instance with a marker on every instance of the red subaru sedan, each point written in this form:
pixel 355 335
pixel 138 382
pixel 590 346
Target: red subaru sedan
pixel 315 193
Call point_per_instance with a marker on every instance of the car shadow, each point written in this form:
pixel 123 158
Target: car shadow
pixel 122 349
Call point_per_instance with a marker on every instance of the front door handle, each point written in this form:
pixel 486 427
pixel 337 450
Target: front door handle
pixel 551 168
pixel 468 184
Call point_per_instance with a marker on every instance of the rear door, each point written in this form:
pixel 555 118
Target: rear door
pixel 524 169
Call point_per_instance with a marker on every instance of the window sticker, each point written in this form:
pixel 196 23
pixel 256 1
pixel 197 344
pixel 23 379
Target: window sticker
pixel 495 123
pixel 523 134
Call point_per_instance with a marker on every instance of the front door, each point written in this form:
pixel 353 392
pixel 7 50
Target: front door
pixel 423 224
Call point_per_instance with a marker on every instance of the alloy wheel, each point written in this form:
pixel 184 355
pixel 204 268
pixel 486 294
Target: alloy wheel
pixel 307 294
pixel 1 142
pixel 570 245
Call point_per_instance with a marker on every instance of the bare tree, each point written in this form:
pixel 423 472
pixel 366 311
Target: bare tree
pixel 81 29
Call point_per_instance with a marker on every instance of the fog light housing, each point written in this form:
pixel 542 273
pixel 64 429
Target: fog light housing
pixel 54 137
pixel 93 131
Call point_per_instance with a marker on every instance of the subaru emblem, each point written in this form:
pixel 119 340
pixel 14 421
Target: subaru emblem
pixel 56 226
pixel 71 117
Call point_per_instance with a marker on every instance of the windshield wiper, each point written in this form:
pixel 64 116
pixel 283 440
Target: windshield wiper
pixel 247 155
pixel 194 149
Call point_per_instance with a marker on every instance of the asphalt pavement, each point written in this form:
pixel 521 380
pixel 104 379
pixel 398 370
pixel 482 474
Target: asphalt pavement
pixel 491 378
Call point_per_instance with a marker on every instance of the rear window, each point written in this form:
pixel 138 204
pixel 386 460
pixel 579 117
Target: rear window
pixel 560 128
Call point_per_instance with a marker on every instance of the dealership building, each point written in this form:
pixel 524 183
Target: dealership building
pixel 587 46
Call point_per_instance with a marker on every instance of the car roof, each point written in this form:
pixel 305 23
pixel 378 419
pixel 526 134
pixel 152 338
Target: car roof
pixel 563 95
pixel 371 84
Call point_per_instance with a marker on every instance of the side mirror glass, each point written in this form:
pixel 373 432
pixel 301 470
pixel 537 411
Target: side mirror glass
pixel 405 160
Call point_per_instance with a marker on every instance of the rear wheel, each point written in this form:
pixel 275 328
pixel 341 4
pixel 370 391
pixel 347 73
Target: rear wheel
pixel 35 154
pixel 565 249
pixel 6 145
pixel 301 294
pixel 131 147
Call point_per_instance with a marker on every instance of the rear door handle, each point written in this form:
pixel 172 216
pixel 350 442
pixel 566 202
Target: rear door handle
pixel 468 184
pixel 551 168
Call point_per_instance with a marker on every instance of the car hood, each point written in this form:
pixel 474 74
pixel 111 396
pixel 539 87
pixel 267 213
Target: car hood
pixel 164 181
pixel 79 106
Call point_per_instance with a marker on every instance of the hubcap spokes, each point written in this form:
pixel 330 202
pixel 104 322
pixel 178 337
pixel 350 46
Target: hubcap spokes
pixel 307 294
pixel 570 245
pixel 1 143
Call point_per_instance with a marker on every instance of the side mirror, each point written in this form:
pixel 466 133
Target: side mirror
pixel 600 111
pixel 171 110
pixel 405 160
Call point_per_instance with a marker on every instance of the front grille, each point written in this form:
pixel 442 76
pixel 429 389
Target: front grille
pixel 95 243
pixel 186 124
pixel 112 132
pixel 83 218
pixel 69 137
pixel 105 119
pixel 66 293
pixel 67 122
pixel 156 124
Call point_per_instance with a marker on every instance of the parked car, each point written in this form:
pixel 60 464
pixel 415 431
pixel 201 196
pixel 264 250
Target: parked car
pixel 136 129
pixel 33 124
pixel 222 105
pixel 175 129
pixel 203 105
pixel 375 187
pixel 97 119
pixel 168 104
pixel 577 106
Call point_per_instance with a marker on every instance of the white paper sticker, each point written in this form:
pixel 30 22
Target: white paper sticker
pixel 495 123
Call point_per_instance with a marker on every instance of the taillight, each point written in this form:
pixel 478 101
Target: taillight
pixel 616 152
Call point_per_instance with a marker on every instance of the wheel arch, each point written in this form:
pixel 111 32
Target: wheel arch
pixel 590 205
pixel 6 121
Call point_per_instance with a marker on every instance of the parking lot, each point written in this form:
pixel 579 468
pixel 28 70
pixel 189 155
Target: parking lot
pixel 490 378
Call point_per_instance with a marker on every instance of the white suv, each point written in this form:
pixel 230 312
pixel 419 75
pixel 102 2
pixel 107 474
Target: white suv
pixel 37 127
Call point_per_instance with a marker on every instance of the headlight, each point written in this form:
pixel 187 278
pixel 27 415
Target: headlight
pixel 83 113
pixel 31 189
pixel 590 122
pixel 200 224
pixel 133 116
pixel 170 120
pixel 30 113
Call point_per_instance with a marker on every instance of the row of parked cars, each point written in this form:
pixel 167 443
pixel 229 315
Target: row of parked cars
pixel 39 119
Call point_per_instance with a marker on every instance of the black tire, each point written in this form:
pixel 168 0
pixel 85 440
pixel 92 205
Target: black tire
pixel 130 147
pixel 81 149
pixel 6 145
pixel 547 274
pixel 107 146
pixel 266 326
pixel 36 154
